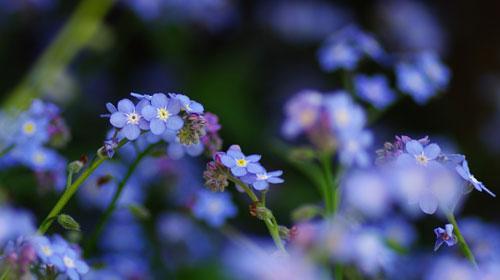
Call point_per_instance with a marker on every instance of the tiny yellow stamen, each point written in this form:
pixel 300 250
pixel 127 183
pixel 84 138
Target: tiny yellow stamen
pixel 241 162
pixel 162 114
pixel 29 128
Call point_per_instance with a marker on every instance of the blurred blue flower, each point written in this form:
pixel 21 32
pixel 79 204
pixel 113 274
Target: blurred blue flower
pixel 345 115
pixel 444 236
pixel 398 230
pixel 347 47
pixel 353 146
pixel 214 208
pixel 261 180
pixel 127 266
pixel 240 164
pixel 162 114
pixel 15 223
pixel 370 252
pixel 415 152
pixel 123 234
pixel 302 113
pixel 374 90
pixel 451 268
pixel 45 251
pixel 70 262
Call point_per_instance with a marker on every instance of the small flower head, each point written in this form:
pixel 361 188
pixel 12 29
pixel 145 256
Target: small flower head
pixel 302 113
pixel 445 236
pixel 193 130
pixel 128 118
pixel 162 114
pixel 260 181
pixel 214 208
pixel 239 164
pixel 464 172
pixel 215 176
pixel 417 153
pixel 374 90
pixel 188 105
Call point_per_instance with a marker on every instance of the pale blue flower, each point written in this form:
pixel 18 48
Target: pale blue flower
pixel 162 114
pixel 374 90
pixel 240 164
pixel 464 172
pixel 260 181
pixel 128 118
pixel 444 236
pixel 214 208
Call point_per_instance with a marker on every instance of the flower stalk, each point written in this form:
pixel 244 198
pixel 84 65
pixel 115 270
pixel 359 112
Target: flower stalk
pixel 464 247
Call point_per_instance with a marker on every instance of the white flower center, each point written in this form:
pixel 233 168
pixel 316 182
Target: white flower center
pixel 46 250
pixel 69 262
pixel 262 176
pixel 133 118
pixel 162 114
pixel 29 128
pixel 214 207
pixel 39 158
pixel 342 117
pixel 422 159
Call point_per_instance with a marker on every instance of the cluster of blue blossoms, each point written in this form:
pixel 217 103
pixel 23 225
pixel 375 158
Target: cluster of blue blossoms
pixel 30 140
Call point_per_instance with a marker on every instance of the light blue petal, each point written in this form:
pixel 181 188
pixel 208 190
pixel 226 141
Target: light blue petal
pixel 253 158
pixel 118 119
pixel 126 106
pixel 131 132
pixel 227 161
pixel 196 107
pixel 195 150
pixel 159 100
pixel 111 108
pixel 238 171
pixel 276 173
pixel 174 106
pixel 157 127
pixel 255 168
pixel 175 123
pixel 414 147
pixel 449 229
pixel 148 112
pixel 428 203
pixel 260 185
pixel 175 151
pixel 235 154
pixel 432 151
pixel 275 180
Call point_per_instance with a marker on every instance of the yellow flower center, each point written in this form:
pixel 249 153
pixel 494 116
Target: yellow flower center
pixel 162 114
pixel 241 162
pixel 29 128
pixel 133 118
pixel 39 158
pixel 342 117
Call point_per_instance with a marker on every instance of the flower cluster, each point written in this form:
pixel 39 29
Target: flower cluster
pixel 331 120
pixel 173 118
pixel 30 138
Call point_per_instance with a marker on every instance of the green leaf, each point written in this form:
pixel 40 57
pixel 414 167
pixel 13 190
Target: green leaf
pixel 67 222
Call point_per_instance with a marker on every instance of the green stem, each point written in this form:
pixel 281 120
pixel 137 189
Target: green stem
pixel 271 223
pixel 7 150
pixel 461 240
pixel 89 247
pixel 5 274
pixel 73 37
pixel 69 180
pixel 70 191
pixel 329 189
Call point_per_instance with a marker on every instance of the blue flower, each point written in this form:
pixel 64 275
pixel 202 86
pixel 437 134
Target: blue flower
pixel 14 223
pixel 345 115
pixel 261 180
pixel 346 48
pixel 464 172
pixel 33 130
pixel 444 236
pixel 45 251
pixel 38 158
pixel 422 76
pixel 417 153
pixel 352 148
pixel 162 114
pixel 240 164
pixel 188 105
pixel 176 150
pixel 214 208
pixel 374 90
pixel 128 118
pixel 70 263
pixel 302 112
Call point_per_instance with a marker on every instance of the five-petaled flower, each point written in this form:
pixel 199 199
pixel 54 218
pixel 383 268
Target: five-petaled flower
pixel 416 152
pixel 162 114
pixel 444 236
pixel 240 164
pixel 261 180
pixel 128 118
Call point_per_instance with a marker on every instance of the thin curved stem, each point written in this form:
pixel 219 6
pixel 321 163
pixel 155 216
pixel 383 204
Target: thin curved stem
pixel 91 243
pixel 270 222
pixel 70 191
pixel 7 150
pixel 461 240
pixel 329 189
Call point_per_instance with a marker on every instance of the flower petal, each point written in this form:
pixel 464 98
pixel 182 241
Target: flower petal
pixel 428 203
pixel 260 185
pixel 148 112
pixel 174 106
pixel 275 180
pixel 275 173
pixel 253 158
pixel 157 127
pixel 159 100
pixel 238 171
pixel 414 147
pixel 126 106
pixel 131 132
pixel 255 168
pixel 449 229
pixel 432 151
pixel 196 107
pixel 175 122
pixel 118 119
pixel 227 161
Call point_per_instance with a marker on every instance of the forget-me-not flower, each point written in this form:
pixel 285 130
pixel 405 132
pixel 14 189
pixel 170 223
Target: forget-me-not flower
pixel 302 112
pixel 128 118
pixel 260 181
pixel 162 114
pixel 240 164
pixel 444 236
pixel 374 90
pixel 417 153
pixel 464 172
pixel 214 208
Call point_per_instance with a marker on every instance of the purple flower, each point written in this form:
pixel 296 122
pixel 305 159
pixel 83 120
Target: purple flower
pixel 240 164
pixel 261 180
pixel 188 105
pixel 464 172
pixel 375 90
pixel 416 152
pixel 128 118
pixel 444 236
pixel 162 114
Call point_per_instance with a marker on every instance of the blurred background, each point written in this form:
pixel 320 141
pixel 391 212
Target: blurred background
pixel 243 60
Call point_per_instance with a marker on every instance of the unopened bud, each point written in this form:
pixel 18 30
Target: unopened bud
pixel 75 166
pixel 67 222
